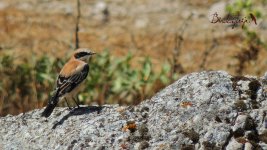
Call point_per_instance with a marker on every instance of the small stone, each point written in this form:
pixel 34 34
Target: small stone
pixel 234 145
pixel 239 122
pixel 248 146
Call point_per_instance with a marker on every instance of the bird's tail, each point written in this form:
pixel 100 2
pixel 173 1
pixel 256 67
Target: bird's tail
pixel 51 105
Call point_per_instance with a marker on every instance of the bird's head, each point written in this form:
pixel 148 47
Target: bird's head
pixel 83 54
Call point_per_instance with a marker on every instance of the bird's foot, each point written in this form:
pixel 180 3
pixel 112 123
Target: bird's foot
pixel 70 108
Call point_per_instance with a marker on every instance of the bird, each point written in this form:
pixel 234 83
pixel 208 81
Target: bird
pixel 70 79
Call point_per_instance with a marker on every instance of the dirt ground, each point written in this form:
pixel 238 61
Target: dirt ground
pixel 143 27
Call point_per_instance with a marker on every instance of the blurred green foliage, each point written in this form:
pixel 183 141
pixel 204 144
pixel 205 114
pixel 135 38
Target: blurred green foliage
pixel 28 84
pixel 244 7
pixel 113 80
pixel 252 43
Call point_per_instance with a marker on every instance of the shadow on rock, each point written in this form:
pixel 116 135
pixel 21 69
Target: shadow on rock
pixel 79 111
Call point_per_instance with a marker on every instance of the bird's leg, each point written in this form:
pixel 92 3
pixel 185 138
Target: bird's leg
pixel 67 102
pixel 76 101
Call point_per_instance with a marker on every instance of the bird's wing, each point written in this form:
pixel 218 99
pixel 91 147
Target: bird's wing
pixel 67 84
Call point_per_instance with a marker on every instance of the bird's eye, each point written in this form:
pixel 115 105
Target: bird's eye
pixel 81 54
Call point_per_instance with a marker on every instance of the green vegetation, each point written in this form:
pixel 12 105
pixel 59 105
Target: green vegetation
pixel 243 7
pixel 252 43
pixel 113 80
pixel 27 84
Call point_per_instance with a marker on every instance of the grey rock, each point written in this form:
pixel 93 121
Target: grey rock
pixel 205 110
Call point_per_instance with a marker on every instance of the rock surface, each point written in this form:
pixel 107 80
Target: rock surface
pixel 206 110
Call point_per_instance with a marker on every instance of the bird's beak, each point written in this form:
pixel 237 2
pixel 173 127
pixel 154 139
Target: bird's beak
pixel 92 53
